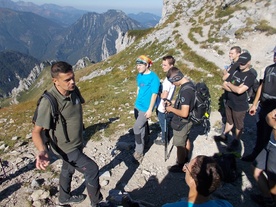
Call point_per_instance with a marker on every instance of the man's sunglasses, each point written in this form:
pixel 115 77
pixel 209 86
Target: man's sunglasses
pixel 175 78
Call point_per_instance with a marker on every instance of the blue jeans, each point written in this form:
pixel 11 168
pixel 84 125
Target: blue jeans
pixel 77 160
pixel 161 118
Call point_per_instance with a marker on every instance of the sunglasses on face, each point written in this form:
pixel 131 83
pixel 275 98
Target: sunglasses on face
pixel 175 78
pixel 243 64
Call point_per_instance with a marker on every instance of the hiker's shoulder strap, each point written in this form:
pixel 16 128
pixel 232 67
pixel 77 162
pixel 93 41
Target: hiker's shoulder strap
pixel 56 114
pixel 53 103
pixel 77 91
pixel 186 86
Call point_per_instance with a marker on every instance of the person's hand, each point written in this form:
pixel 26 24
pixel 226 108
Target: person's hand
pixel 252 110
pixel 168 108
pixel 42 160
pixel 167 102
pixel 148 114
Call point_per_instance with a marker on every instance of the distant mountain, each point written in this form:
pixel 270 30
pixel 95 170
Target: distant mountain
pixel 148 20
pixel 64 16
pixel 26 32
pixel 94 35
pixel 14 66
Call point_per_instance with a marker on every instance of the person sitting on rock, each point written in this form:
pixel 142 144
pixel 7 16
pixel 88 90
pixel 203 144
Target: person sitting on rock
pixel 203 176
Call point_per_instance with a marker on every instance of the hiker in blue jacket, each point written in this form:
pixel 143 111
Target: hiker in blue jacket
pixel 70 147
pixel 147 89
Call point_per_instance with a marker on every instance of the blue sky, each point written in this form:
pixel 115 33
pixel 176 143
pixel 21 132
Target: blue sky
pixel 127 6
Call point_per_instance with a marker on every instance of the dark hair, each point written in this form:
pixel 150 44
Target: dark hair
pixel 207 175
pixel 174 74
pixel 237 48
pixel 170 59
pixel 60 67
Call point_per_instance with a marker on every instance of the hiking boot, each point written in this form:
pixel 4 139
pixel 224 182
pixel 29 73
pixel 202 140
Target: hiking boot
pixel 138 157
pixel 159 142
pixel 263 201
pixel 177 168
pixel 249 158
pixel 220 138
pixel 233 145
pixel 73 199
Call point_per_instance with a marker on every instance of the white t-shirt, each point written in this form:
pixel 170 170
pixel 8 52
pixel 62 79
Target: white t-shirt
pixel 166 86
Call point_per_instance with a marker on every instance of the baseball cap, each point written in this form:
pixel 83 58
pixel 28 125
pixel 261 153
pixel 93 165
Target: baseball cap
pixel 244 58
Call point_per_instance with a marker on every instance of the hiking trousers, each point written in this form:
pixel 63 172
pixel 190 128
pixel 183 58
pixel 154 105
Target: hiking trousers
pixel 141 131
pixel 77 160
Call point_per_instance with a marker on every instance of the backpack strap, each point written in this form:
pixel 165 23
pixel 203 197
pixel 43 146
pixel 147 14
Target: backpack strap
pixel 183 88
pixel 55 112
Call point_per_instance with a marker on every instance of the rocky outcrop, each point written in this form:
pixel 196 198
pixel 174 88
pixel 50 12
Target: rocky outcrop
pixel 25 83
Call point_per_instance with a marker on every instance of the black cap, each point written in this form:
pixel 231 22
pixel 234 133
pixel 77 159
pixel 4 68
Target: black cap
pixel 244 58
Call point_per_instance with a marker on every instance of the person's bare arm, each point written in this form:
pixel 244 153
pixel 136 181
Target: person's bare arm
pixel 183 111
pixel 271 121
pixel 152 102
pixel 42 158
pixel 164 94
pixel 237 89
pixel 253 108
pixel 225 86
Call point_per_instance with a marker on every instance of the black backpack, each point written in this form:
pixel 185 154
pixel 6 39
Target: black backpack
pixel 251 92
pixel 200 113
pixel 269 82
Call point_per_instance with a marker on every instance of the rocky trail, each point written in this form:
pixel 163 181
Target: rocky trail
pixel 149 183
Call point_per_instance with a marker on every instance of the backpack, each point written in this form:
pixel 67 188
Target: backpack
pixel 251 92
pixel 269 83
pixel 228 165
pixel 200 112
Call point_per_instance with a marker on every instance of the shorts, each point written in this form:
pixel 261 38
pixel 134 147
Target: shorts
pixel 180 137
pixel 235 117
pixel 266 161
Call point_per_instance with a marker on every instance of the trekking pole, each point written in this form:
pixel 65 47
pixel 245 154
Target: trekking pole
pixel 169 154
pixel 166 136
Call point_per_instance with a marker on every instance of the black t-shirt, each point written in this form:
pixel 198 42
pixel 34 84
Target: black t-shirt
pixel 186 96
pixel 239 102
pixel 268 94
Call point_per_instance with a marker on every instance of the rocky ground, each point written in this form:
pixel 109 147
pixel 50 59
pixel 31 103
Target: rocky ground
pixel 148 183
